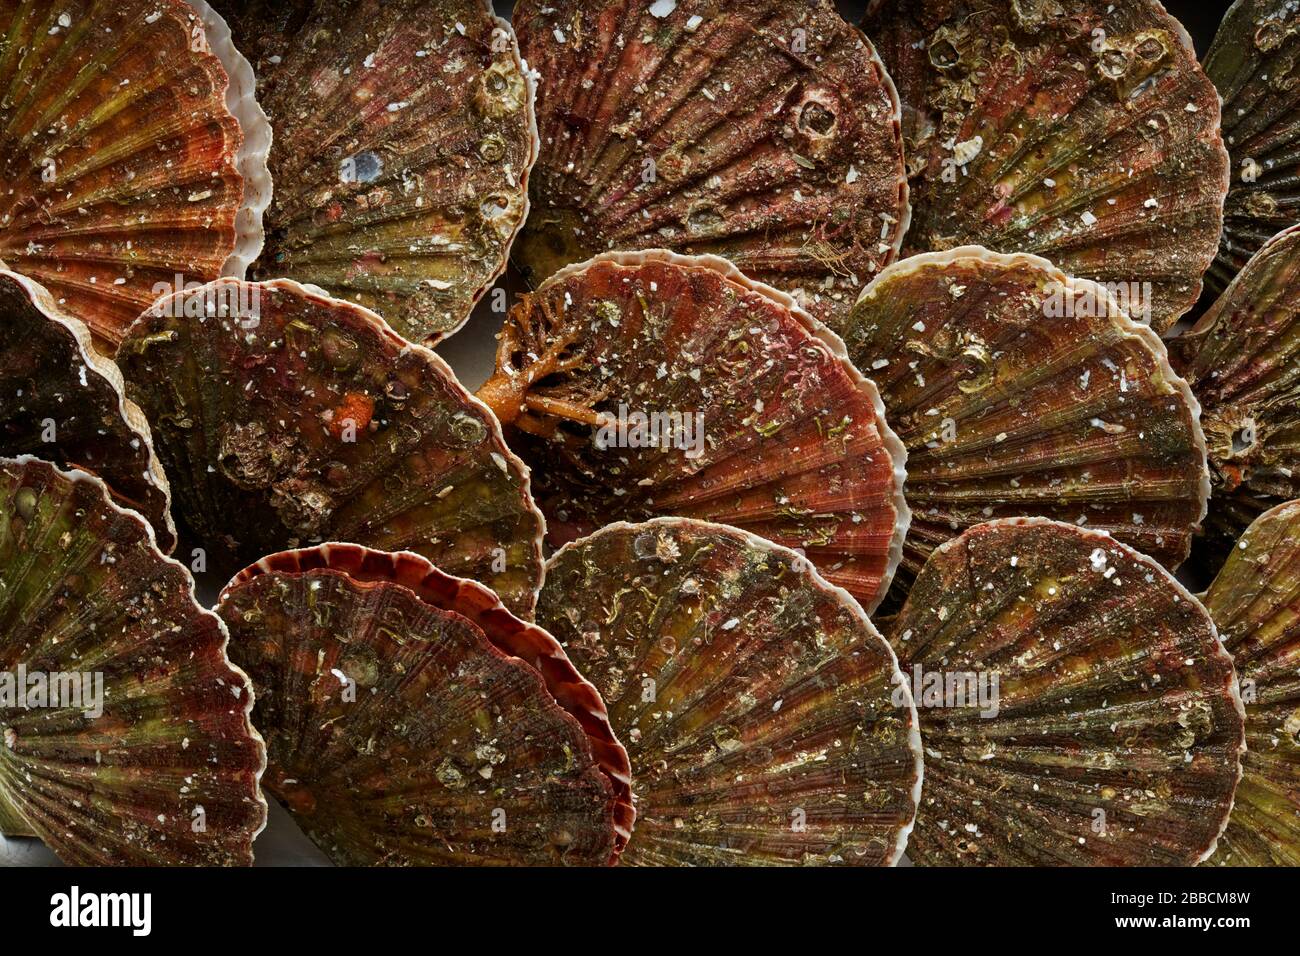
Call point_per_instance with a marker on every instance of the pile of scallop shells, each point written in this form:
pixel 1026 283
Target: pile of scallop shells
pixel 850 460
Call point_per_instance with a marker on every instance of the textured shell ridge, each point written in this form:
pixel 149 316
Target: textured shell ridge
pixel 241 100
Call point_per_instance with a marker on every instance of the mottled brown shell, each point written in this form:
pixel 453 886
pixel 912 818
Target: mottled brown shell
pixel 764 131
pixel 166 773
pixel 1080 130
pixel 1076 705
pixel 1243 362
pixel 404 137
pixel 1252 62
pixel 762 711
pixel 61 401
pixel 1021 391
pixel 775 430
pixel 412 720
pixel 285 417
pixel 1254 602
pixel 119 154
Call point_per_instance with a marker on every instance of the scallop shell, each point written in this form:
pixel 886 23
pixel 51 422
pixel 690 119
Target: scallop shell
pixel 1080 130
pixel 120 156
pixel 144 754
pixel 411 719
pixel 1252 62
pixel 62 401
pixel 1076 705
pixel 283 417
pixel 404 138
pixel 1243 362
pixel 1020 391
pixel 766 718
pixel 775 431
pixel 764 131
pixel 1253 601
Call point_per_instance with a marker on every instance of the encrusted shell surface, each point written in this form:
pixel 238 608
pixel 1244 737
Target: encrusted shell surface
pixel 1252 62
pixel 764 131
pixel 764 715
pixel 412 720
pixel 61 401
pixel 119 154
pixel 645 384
pixel 404 137
pixel 154 762
pixel 1021 391
pixel 1254 602
pixel 285 417
pixel 1243 362
pixel 1076 705
pixel 1080 130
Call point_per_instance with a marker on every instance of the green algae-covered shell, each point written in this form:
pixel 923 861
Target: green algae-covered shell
pixel 764 715
pixel 157 764
pixel 121 157
pixel 1080 130
pixel 1243 362
pixel 775 430
pixel 1253 601
pixel 1252 63
pixel 403 141
pixel 61 401
pixel 412 720
pixel 1103 725
pixel 1021 391
pixel 285 417
pixel 763 131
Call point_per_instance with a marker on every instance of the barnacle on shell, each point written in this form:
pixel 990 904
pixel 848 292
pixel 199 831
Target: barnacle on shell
pixel 61 401
pixel 120 156
pixel 763 131
pixel 404 137
pixel 124 729
pixel 412 720
pixel 1243 362
pixel 1080 130
pixel 765 718
pixel 644 384
pixel 1021 391
pixel 1252 62
pixel 1253 602
pixel 1076 705
pixel 285 417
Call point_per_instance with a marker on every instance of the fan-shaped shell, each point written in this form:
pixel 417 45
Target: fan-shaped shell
pixel 774 429
pixel 1252 62
pixel 63 402
pixel 1076 705
pixel 404 137
pixel 119 153
pixel 411 719
pixel 283 417
pixel 1020 391
pixel 765 717
pixel 145 754
pixel 1243 362
pixel 1080 130
pixel 1254 602
pixel 764 131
